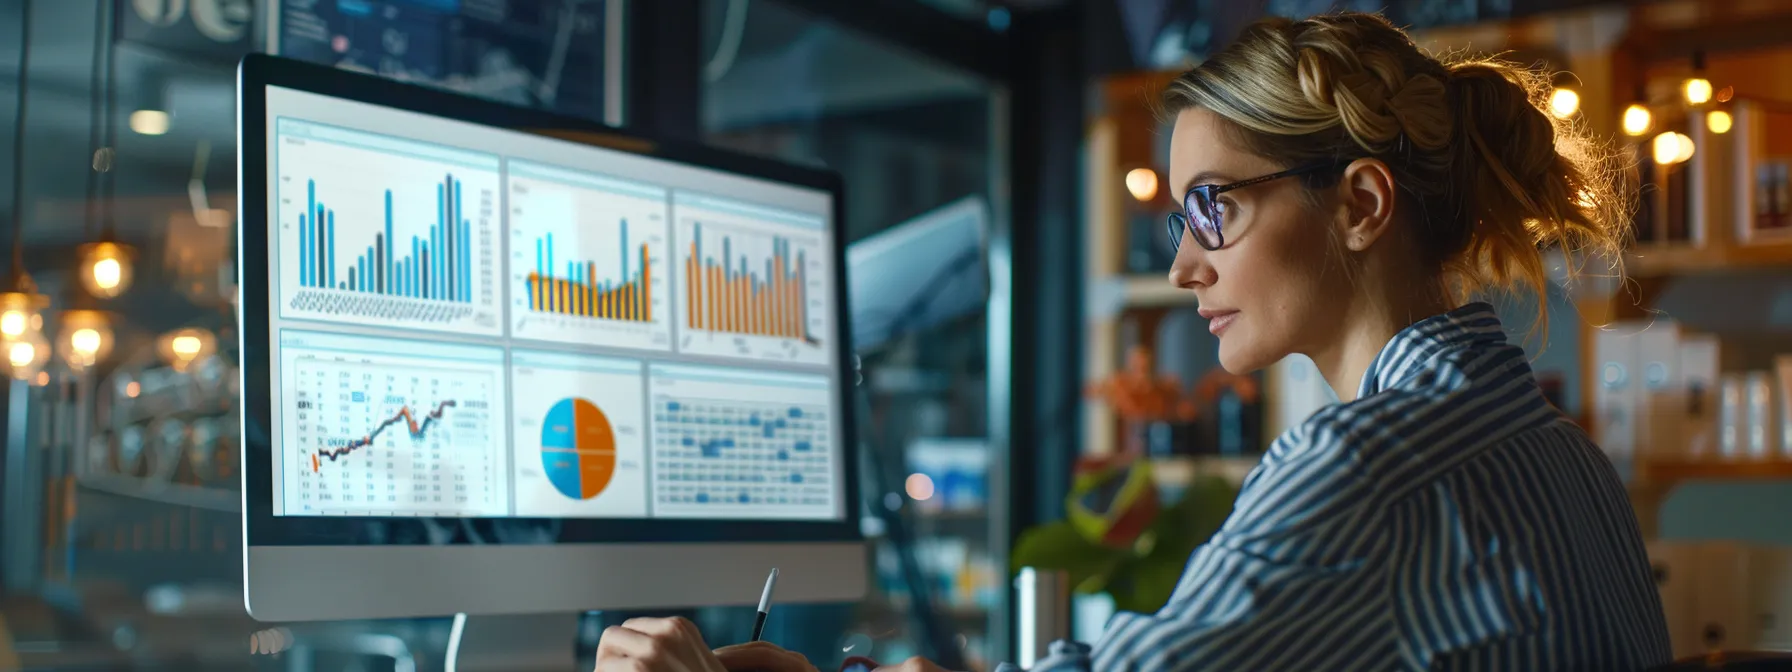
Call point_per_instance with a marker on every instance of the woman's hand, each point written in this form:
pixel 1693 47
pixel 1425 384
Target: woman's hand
pixel 762 657
pixel 655 645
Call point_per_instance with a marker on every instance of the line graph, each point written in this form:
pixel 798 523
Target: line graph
pixel 417 431
pixel 368 432
pixel 378 229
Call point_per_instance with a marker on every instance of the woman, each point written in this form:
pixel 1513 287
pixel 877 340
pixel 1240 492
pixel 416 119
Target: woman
pixel 1345 195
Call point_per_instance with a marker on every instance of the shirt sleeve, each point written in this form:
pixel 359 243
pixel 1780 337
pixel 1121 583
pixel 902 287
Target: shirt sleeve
pixel 1292 580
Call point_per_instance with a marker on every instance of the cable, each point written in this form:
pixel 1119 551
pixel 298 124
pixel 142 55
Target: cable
pixel 734 27
pixel 18 147
pixel 93 117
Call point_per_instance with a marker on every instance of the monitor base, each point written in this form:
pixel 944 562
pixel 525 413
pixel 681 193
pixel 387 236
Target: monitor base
pixel 514 643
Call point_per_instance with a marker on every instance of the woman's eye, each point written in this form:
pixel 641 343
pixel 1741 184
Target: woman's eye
pixel 1220 209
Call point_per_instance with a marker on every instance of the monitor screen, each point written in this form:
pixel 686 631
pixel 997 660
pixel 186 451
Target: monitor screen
pixel 465 321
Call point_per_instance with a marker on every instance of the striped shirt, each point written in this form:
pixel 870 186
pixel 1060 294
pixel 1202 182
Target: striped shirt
pixel 1448 519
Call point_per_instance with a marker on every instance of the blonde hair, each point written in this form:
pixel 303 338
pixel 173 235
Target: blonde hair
pixel 1494 176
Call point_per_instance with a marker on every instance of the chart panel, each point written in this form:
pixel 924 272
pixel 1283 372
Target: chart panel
pixel 755 281
pixel 369 432
pixel 380 230
pixel 579 439
pixel 587 259
pixel 741 444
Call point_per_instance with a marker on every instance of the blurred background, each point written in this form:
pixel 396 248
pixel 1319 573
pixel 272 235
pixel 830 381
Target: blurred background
pixel 120 538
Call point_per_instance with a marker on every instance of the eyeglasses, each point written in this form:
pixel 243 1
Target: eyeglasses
pixel 1200 214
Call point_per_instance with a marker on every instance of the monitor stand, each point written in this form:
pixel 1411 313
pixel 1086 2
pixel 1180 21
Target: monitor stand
pixel 514 643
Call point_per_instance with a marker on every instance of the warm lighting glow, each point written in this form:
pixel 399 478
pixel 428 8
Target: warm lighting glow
pixel 919 487
pixel 1564 103
pixel 185 346
pixel 19 314
pixel 1719 122
pixel 182 347
pixel 43 378
pixel 86 338
pixel 1725 94
pixel 1636 119
pixel 20 353
pixel 26 355
pixel 1142 182
pixel 132 389
pixel 106 269
pixel 149 122
pixel 1697 90
pixel 1670 148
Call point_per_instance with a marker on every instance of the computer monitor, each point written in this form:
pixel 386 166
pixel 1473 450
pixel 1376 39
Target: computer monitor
pixel 498 361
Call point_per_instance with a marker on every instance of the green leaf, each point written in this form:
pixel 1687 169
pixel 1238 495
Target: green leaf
pixel 1058 546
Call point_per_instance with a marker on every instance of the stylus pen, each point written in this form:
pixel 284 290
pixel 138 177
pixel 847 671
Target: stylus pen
pixel 765 605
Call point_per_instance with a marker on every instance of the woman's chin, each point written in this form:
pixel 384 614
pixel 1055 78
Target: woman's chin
pixel 1239 357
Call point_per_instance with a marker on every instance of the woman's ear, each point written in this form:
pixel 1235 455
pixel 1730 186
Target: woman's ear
pixel 1368 194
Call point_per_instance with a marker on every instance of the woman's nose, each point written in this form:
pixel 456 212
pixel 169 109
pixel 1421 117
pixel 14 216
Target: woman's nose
pixel 1191 268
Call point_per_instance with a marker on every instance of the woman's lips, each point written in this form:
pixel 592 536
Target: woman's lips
pixel 1218 323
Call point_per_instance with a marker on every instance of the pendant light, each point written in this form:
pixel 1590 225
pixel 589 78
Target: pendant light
pixel 106 264
pixel 22 345
pixel 84 336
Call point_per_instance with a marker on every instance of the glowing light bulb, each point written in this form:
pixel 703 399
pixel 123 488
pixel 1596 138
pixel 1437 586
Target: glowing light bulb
pixel 1671 148
pixel 1636 119
pixel 1142 182
pixel 86 341
pixel 1697 90
pixel 106 269
pixel 86 338
pixel 149 122
pixel 1564 103
pixel 12 323
pixel 20 354
pixel 1719 122
pixel 185 346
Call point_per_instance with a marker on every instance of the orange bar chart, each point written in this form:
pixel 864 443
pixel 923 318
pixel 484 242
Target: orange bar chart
pixel 730 295
pixel 579 292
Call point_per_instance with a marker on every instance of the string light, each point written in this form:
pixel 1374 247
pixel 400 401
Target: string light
pixel 1719 122
pixel 84 339
pixel 1564 102
pixel 1696 88
pixel 1637 119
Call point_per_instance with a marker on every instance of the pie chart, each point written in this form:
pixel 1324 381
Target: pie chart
pixel 578 448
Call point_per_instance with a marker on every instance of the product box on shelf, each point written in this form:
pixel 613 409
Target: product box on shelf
pixel 1616 392
pixel 1782 368
pixel 1700 368
pixel 1661 396
pixel 1762 427
pixel 1675 566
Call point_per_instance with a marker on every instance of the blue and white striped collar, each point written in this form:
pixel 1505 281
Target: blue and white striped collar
pixel 1409 353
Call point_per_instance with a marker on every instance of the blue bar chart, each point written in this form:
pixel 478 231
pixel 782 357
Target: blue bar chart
pixel 587 258
pixel 382 230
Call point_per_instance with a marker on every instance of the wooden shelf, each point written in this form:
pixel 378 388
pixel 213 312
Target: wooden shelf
pixel 1684 260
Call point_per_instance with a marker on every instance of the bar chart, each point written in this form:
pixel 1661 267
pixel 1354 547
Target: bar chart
pixel 730 444
pixel 587 259
pixel 751 289
pixel 381 230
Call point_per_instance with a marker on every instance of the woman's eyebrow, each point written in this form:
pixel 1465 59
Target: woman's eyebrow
pixel 1206 177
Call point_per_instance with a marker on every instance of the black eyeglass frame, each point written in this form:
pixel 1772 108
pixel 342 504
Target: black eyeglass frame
pixel 1206 196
